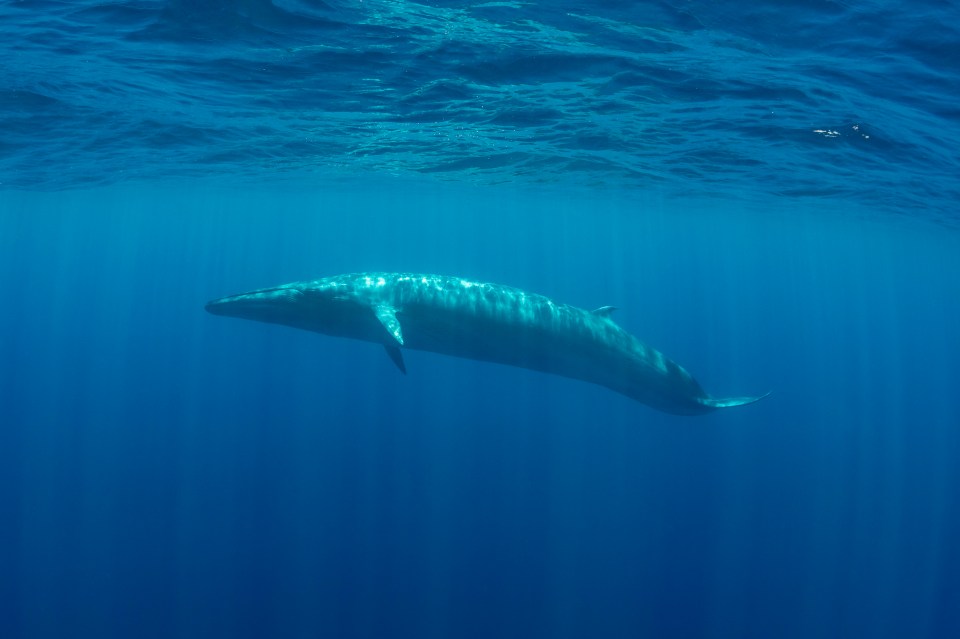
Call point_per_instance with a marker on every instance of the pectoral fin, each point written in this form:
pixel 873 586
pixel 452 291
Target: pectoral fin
pixel 388 317
pixel 396 356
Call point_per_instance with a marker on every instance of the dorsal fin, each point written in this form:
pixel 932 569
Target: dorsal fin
pixel 604 311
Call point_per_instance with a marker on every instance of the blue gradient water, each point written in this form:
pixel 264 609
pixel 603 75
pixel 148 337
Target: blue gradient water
pixel 767 191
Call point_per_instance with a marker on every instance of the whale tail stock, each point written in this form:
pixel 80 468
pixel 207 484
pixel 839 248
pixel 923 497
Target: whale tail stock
pixel 728 402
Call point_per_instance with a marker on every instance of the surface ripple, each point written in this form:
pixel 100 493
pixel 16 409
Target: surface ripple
pixel 801 99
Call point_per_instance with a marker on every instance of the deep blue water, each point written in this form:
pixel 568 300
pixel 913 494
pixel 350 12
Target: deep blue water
pixel 767 191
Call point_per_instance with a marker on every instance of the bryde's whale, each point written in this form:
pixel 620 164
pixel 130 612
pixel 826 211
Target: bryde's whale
pixel 488 322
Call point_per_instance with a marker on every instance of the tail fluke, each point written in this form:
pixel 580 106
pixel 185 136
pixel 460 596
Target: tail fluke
pixel 727 402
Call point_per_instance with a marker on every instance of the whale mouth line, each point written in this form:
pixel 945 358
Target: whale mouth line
pixel 261 295
pixel 263 300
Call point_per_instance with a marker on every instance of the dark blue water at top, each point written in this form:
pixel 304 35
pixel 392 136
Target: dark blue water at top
pixel 767 191
pixel 812 98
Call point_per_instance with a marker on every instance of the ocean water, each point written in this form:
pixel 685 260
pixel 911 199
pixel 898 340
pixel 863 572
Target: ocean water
pixel 766 191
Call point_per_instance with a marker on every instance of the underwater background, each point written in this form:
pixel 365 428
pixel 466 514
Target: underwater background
pixel 767 191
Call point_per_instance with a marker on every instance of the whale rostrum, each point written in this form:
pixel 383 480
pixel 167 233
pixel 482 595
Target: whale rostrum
pixel 481 321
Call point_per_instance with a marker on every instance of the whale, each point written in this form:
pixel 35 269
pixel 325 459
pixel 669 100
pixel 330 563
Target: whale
pixel 480 321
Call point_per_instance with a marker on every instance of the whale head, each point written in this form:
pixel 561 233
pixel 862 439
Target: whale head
pixel 280 305
pixel 313 306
